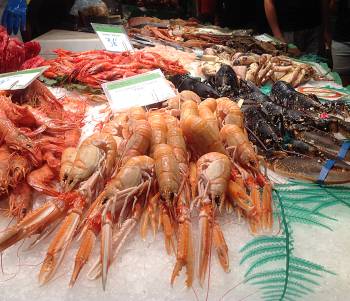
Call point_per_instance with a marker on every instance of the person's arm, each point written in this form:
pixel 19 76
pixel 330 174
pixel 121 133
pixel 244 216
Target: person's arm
pixel 14 15
pixel 218 6
pixel 326 22
pixel 270 11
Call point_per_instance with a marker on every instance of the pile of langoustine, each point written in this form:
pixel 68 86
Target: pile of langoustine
pixel 33 137
pixel 153 168
pixel 96 67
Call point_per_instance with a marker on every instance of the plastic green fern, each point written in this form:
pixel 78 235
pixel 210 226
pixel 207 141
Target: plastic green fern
pixel 315 196
pixel 272 265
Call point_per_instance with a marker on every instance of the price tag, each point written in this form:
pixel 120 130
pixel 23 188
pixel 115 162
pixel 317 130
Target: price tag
pixel 113 37
pixel 323 93
pixel 139 90
pixel 267 38
pixel 19 79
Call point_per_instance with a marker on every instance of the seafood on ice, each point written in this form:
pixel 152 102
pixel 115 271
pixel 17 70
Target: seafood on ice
pixel 149 168
pixel 34 136
pixel 99 66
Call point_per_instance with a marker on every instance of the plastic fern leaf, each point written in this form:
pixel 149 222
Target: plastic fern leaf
pixel 262 250
pixel 297 286
pixel 299 269
pixel 265 260
pixel 264 240
pixel 302 278
pixel 308 264
pixel 273 273
pixel 308 221
pixel 269 281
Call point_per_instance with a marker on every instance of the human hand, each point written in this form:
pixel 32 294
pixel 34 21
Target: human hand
pixel 14 16
pixel 294 51
pixel 279 36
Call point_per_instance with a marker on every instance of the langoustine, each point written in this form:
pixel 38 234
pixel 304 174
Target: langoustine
pixel 141 188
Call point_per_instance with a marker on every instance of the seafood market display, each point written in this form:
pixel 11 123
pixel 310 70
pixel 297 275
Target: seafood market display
pixel 254 60
pixel 75 173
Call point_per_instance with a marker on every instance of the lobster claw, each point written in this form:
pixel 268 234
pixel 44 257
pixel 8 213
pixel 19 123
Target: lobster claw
pixel 185 250
pixel 149 215
pixel 193 179
pixel 205 241
pixel 31 223
pixel 240 197
pixel 220 246
pixel 61 242
pixel 210 233
pixel 254 216
pixel 111 248
pixel 106 246
pixel 261 217
pixel 86 246
pixel 267 214
pixel 166 221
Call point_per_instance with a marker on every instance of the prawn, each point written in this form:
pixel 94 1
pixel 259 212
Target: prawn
pixel 133 178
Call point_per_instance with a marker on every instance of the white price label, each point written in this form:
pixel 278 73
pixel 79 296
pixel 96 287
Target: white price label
pixel 139 90
pixel 324 93
pixel 19 79
pixel 267 38
pixel 113 37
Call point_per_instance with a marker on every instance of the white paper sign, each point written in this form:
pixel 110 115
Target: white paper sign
pixel 113 37
pixel 19 79
pixel 323 93
pixel 139 90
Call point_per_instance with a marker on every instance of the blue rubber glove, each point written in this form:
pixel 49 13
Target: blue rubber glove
pixel 14 16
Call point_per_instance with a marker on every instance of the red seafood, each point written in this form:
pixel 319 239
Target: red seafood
pixel 14 54
pixel 98 66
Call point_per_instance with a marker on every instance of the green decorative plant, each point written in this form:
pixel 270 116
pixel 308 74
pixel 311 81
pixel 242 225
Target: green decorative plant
pixel 273 267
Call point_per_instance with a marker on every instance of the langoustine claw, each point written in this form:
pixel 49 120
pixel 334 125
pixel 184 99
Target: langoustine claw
pixel 213 170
